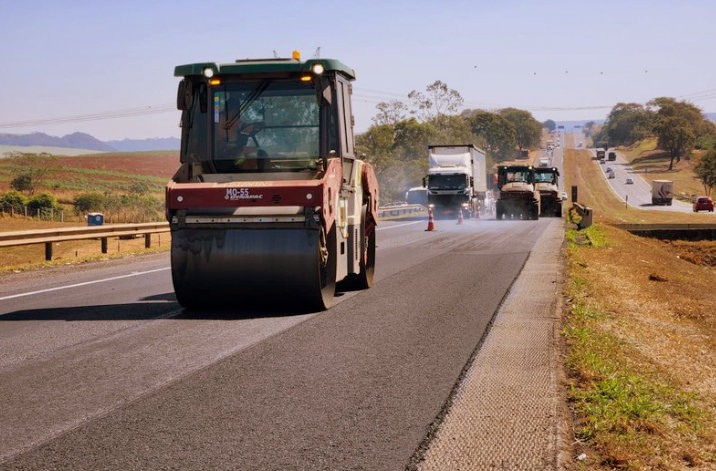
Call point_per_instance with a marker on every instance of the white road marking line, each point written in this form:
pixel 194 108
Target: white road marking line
pixel 76 285
pixel 396 226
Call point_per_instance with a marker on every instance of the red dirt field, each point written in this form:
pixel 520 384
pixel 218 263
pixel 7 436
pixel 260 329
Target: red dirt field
pixel 155 164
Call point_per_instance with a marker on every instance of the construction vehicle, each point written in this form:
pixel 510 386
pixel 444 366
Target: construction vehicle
pixel 269 202
pixel 456 181
pixel 547 183
pixel 519 199
pixel 662 192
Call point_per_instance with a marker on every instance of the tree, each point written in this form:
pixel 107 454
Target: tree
pixel 497 133
pixel 528 131
pixel 452 129
pixel 390 112
pixel 706 170
pixel 550 125
pixel 679 125
pixel 438 100
pixel 626 124
pixel 376 144
pixel 398 153
pixel 29 170
pixel 23 183
pixel 666 106
pixel 676 136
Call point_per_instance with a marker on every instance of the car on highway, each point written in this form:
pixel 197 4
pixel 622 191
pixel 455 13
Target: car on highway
pixel 703 203
pixel 629 181
pixel 609 169
pixel 610 174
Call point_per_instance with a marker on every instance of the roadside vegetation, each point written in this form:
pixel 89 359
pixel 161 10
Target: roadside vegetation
pixel 125 187
pixel 640 336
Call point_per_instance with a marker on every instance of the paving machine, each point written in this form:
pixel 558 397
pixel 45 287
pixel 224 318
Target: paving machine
pixel 519 199
pixel 269 202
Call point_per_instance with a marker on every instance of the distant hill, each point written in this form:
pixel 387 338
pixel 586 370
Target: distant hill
pixel 139 145
pixel 77 140
pixel 84 141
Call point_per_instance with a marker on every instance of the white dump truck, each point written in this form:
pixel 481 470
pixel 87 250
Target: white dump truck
pixel 457 180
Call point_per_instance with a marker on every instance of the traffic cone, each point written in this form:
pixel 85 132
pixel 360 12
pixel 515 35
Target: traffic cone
pixel 431 221
pixel 460 220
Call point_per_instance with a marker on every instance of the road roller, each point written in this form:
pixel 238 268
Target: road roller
pixel 270 203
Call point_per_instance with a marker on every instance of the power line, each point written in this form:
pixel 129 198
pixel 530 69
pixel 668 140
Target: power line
pixel 361 94
pixel 114 114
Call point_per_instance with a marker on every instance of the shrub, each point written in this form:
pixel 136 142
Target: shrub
pixel 12 201
pixel 87 202
pixel 42 202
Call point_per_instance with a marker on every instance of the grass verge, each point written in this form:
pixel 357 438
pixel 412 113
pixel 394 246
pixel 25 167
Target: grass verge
pixel 639 363
pixel 639 330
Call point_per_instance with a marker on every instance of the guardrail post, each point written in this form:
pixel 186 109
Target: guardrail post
pixel 48 251
pixel 104 244
pixel 147 240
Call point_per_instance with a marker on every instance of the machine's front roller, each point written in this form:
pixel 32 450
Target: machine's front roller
pixel 236 267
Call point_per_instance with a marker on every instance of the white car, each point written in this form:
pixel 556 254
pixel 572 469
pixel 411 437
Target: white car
pixel 629 181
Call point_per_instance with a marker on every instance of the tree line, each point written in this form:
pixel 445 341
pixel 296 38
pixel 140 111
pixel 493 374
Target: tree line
pixel 679 126
pixel 396 143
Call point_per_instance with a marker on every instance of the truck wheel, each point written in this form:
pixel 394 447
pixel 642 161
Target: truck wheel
pixel 534 212
pixel 558 210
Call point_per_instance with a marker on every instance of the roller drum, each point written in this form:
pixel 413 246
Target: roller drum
pixel 232 266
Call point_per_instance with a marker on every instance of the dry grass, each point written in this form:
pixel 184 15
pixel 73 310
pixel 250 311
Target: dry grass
pixel 640 330
pixel 15 259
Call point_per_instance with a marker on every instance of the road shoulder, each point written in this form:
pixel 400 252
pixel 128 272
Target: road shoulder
pixel 507 412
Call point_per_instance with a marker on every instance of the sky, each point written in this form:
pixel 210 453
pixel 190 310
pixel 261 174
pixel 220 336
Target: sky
pixel 106 67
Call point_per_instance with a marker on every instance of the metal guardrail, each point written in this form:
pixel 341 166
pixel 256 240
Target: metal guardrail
pixel 673 231
pixel 399 210
pixel 103 232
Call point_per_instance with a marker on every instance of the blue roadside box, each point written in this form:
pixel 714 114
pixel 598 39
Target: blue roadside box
pixel 95 219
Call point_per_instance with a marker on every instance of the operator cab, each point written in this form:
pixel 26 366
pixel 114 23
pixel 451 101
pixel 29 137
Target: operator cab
pixel 263 116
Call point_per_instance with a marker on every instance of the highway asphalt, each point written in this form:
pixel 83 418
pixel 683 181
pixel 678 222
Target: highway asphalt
pixel 101 368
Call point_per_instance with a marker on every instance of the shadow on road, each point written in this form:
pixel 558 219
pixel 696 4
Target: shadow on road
pixel 156 307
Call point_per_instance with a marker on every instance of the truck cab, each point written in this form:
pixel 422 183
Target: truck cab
pixel 519 197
